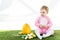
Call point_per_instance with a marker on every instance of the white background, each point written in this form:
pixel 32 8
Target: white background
pixel 15 13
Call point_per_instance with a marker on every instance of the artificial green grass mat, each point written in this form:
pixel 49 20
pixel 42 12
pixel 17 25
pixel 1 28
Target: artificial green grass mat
pixel 11 35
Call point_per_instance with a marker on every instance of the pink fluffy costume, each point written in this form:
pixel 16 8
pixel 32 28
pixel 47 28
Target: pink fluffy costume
pixel 45 31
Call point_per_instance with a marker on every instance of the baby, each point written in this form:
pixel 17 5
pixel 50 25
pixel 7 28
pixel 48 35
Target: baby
pixel 43 24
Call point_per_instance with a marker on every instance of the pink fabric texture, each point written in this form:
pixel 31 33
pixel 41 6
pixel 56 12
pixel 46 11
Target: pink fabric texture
pixel 37 23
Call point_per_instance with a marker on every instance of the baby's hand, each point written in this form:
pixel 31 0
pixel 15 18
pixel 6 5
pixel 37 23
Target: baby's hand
pixel 44 26
pixel 40 26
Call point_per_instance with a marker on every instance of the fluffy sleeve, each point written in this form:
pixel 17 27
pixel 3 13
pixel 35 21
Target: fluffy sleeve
pixel 37 22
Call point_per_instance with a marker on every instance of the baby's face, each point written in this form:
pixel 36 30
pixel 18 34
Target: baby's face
pixel 43 12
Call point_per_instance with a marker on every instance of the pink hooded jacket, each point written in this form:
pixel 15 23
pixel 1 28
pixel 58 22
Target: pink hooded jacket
pixel 37 23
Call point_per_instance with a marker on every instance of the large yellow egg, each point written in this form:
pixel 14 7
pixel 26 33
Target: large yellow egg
pixel 26 29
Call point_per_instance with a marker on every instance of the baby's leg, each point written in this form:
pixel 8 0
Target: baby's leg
pixel 37 32
pixel 49 33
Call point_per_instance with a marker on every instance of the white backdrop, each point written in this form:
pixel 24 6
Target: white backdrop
pixel 14 13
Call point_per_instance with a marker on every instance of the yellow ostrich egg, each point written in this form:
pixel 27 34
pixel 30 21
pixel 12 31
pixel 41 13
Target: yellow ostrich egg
pixel 26 29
